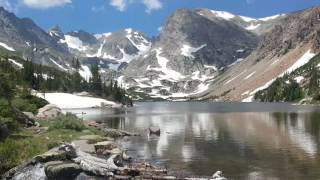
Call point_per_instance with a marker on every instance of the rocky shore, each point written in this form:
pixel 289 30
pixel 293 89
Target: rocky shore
pixel 91 157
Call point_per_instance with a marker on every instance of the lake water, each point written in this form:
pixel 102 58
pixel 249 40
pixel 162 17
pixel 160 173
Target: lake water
pixel 244 140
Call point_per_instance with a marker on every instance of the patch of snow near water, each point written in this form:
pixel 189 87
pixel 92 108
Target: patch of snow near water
pixel 70 101
pixel 16 63
pixel 6 46
pixel 187 50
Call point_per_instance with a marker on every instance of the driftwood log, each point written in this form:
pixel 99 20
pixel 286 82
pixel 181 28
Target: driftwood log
pixel 100 167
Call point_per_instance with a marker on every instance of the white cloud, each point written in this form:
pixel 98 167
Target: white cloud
pixel 152 5
pixel 45 4
pixel 121 5
pixel 6 5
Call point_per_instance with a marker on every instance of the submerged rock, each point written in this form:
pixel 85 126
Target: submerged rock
pixel 116 133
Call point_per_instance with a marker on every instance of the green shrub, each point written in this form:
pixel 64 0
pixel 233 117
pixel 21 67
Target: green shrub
pixel 13 152
pixel 69 121
pixel 24 105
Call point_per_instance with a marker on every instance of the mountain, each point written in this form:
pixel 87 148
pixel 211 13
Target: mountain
pixel 285 48
pixel 301 85
pixel 190 52
pixel 258 26
pixel 200 53
pixel 109 50
pixel 23 36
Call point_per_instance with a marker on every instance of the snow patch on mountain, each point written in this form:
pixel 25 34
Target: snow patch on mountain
pixel 143 45
pixel 6 46
pixel 167 73
pixel 188 51
pixel 105 35
pixel 247 19
pixel 85 72
pixel 223 14
pixel 252 27
pixel 271 17
pixel 16 63
pixel 74 43
pixel 299 79
pixel 250 75
pixel 59 65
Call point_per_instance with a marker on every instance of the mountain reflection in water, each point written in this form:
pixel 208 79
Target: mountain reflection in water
pixel 245 141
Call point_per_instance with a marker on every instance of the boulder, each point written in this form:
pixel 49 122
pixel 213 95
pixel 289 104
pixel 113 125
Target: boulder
pixel 100 147
pixel 49 112
pixel 62 170
pixel 115 151
pixel 117 133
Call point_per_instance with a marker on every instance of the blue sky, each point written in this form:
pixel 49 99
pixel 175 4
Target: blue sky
pixel 99 16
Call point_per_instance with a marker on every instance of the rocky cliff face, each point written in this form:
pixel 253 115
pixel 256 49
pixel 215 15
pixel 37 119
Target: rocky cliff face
pixel 25 37
pixel 285 48
pixel 190 53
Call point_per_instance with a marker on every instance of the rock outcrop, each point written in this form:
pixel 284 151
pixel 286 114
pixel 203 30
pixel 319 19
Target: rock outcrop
pixel 49 112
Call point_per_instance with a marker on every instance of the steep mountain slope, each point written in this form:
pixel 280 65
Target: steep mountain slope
pixel 258 26
pixel 300 85
pixel 25 37
pixel 285 48
pixel 189 54
pixel 109 50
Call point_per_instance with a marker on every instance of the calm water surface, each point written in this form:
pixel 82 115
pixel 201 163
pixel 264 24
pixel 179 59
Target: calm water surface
pixel 245 141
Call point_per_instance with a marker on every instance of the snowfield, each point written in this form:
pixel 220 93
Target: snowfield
pixel 73 43
pixel 57 64
pixel 252 27
pixel 187 50
pixel 85 72
pixel 70 101
pixel 16 63
pixel 6 46
pixel 223 14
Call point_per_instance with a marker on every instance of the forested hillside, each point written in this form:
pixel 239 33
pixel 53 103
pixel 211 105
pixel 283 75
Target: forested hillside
pixel 302 85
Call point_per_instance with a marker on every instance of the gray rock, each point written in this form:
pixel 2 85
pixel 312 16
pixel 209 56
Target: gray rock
pixel 62 170
pixel 49 112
